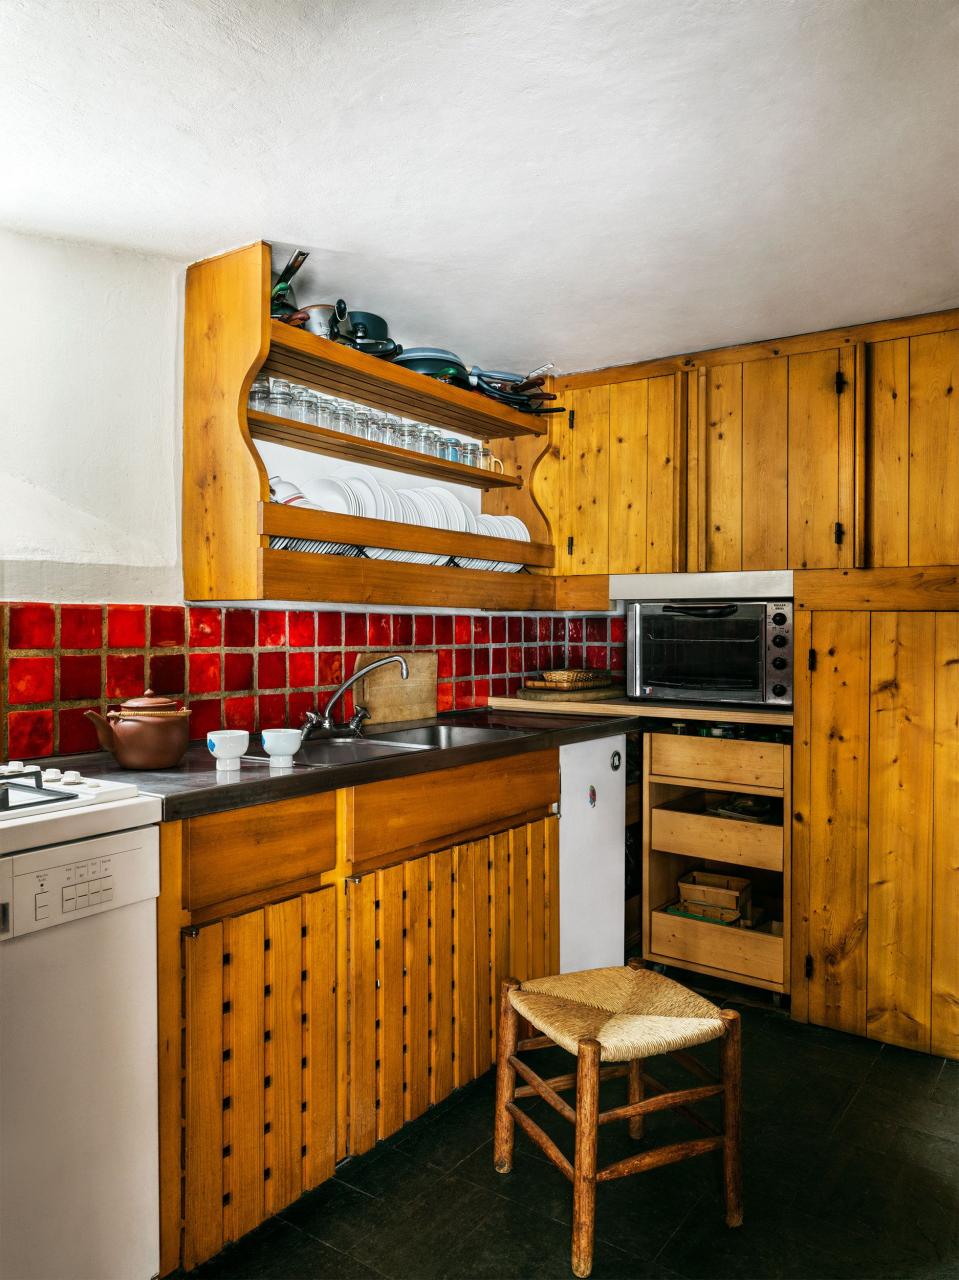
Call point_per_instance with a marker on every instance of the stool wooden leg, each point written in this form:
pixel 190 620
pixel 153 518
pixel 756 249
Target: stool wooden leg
pixel 507 1036
pixel 584 1168
pixel 635 1093
pixel 731 1058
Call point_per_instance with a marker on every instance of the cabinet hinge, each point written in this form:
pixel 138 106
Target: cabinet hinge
pixel 842 382
pixel 569 545
pixel 571 419
pixel 809 966
pixel 812 659
pixel 839 532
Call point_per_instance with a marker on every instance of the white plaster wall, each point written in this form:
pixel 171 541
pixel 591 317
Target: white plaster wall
pixel 89 422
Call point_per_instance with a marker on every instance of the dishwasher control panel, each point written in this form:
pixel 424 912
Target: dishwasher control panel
pixel 48 887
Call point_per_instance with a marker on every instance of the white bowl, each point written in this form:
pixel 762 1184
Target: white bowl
pixel 279 745
pixel 227 745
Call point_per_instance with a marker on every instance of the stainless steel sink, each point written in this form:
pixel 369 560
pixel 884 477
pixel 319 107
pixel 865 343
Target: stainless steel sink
pixel 325 753
pixel 445 736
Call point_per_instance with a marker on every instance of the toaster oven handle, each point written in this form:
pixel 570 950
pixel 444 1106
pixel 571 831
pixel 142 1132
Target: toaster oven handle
pixel 703 610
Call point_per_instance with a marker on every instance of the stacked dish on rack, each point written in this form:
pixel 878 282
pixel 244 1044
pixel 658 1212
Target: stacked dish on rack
pixel 430 507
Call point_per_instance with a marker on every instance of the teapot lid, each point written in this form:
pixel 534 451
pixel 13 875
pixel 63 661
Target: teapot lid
pixel 150 701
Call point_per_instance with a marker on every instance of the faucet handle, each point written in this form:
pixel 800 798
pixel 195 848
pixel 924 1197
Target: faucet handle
pixel 357 718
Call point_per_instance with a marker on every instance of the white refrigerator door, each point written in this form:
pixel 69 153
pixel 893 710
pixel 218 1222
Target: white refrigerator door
pixel 592 854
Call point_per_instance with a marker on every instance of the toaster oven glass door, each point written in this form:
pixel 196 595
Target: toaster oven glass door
pixel 713 652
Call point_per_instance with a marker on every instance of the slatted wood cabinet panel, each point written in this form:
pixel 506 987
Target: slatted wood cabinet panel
pixel 877 782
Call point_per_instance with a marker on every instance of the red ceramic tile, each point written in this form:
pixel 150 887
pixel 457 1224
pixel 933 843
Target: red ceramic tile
pixel 29 680
pixel 530 629
pixel 498 659
pixel 544 657
pixel 513 685
pixel 126 626
pixel 557 657
pixel 597 630
pixel 206 628
pixel 499 687
pixel 402 629
pixel 329 668
pixel 272 711
pixel 300 629
pixel 481 630
pixel 239 713
pixel 574 630
pixel 617 658
pixel 497 629
pixel 443 629
pixel 239 628
pixel 237 671
pixel 514 630
pixel 559 628
pixel 531 658
pixel 167 673
pixel 79 677
pixel 423 629
pixel 167 622
pixel 81 626
pixel 329 630
pixel 545 628
pixel 574 656
pixel 463 662
pixel 204 672
pixel 379 631
pixel 271 629
pixel 463 630
pixel 444 697
pixel 355 630
pixel 514 658
pixel 597 657
pixel 32 626
pixel 124 676
pixel 302 670
pixel 481 662
pixel 271 671
pixel 29 733
pixel 480 693
pixel 617 630
pixel 444 663
pixel 206 714
pixel 463 694
pixel 75 731
pixel 300 704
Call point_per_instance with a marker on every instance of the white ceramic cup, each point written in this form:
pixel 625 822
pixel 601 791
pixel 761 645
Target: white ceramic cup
pixel 227 745
pixel 279 745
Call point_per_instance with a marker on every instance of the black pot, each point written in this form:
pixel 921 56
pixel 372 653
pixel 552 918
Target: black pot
pixel 370 333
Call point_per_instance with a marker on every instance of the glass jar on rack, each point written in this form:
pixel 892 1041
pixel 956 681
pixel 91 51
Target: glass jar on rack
pixel 431 442
pixel 341 418
pixel 450 449
pixel 281 398
pixel 260 394
pixel 305 405
pixel 362 422
pixel 470 454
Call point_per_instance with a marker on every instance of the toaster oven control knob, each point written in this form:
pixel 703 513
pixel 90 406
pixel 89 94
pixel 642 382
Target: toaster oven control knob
pixel 779 690
pixel 779 663
pixel 780 641
pixel 779 619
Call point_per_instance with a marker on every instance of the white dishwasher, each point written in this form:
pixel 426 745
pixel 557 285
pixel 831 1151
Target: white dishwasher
pixel 592 854
pixel 79 877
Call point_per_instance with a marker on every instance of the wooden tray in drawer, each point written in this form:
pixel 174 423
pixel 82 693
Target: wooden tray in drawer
pixel 742 952
pixel 721 760
pixel 701 835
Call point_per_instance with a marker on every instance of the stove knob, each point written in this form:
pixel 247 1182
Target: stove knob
pixel 779 690
pixel 72 776
pixel 15 766
pixel 779 619
pixel 780 641
pixel 52 775
pixel 779 663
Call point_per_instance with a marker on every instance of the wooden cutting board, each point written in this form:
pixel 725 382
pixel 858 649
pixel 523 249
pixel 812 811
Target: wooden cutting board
pixel 388 697
pixel 573 695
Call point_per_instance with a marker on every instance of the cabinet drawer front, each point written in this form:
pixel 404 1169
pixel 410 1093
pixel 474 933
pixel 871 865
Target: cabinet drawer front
pixel 751 764
pixel 255 849
pixel 717 839
pixel 714 946
pixel 433 810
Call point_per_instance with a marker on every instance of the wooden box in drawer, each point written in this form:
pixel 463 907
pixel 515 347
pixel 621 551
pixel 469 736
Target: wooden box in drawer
pixel 721 760
pixel 700 835
pixel 742 952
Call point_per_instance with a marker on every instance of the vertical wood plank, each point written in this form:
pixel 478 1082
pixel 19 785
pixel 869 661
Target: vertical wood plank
pixel 934 449
pixel 203 1230
pixel 441 974
pixel 243 940
pixel 627 476
pixel 945 871
pixel 344 862
pixel 417 987
pixel 813 495
pixel 499 852
pixel 900 828
pixel 390 997
pixel 171 920
pixel 765 446
pixel 481 858
pixel 284 1053
pixel 518 905
pixel 887 408
pixel 847 450
pixel 552 894
pixel 362 1043
pixel 801 819
pixel 696 469
pixel 464 967
pixel 584 483
pixel 536 864
pixel 838 820
pixel 319 1036
pixel 663 474
pixel 724 468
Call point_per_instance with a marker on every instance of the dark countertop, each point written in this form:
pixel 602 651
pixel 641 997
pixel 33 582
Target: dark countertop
pixel 194 788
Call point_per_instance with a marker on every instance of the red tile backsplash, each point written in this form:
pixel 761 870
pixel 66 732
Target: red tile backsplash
pixel 329 630
pixel 301 629
pixel 271 671
pixel 167 624
pixel 81 626
pixel 76 733
pixel 125 676
pixel 30 680
pixel 206 629
pixel 80 676
pixel 302 670
pixel 271 628
pixel 239 628
pixel 168 673
pixel 32 626
pixel 126 626
pixel 237 671
pixel 29 733
pixel 205 672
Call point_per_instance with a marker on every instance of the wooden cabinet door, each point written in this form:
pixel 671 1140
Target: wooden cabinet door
pixel 581 482
pixel 821 459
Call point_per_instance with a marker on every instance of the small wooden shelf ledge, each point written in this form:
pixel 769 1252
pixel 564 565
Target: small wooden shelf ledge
pixel 328 366
pixel 301 435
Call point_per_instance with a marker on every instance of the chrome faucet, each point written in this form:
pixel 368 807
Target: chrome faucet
pixel 321 723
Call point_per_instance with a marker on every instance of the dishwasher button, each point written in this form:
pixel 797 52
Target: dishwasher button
pixel 68 899
pixel 82 898
pixel 95 893
pixel 41 906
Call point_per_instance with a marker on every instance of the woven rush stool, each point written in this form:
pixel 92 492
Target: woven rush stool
pixel 621 1016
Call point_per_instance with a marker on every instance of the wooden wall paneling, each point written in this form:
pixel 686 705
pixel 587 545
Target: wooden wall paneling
pixel 500 914
pixel 552 894
pixel 838 820
pixel 536 872
pixel 481 852
pixel 518 905
pixel 696 393
pixel 934 589
pixel 847 506
pixel 319 1036
pixel 441 974
pixel 801 820
pixel 724 468
pixel 390 998
pixel 284 1053
pixel 887 426
pixel 664 476
pixel 417 1001
pixel 814 465
pixel 171 920
pixel 361 891
pixel 900 828
pixel 464 966
pixel 344 863
pixel 628 407
pixel 583 484
pixel 934 449
pixel 765 433
pixel 945 852
pixel 245 1069
pixel 204 1098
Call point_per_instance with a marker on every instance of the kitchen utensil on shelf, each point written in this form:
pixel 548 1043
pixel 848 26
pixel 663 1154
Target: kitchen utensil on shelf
pixel 282 298
pixel 226 746
pixel 435 362
pixel 371 334
pixel 325 318
pixel 149 732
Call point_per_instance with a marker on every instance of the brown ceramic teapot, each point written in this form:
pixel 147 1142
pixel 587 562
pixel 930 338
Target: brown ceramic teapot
pixel 151 732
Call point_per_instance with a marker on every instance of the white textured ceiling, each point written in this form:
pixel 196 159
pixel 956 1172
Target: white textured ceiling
pixel 587 181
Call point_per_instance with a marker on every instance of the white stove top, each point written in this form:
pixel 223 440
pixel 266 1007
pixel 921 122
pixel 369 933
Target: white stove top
pixel 28 789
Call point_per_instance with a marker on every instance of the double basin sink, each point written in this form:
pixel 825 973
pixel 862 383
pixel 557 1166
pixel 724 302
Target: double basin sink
pixel 320 753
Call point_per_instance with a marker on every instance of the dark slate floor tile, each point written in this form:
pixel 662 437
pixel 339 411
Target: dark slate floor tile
pixel 389 1172
pixel 335 1212
pixel 278 1251
pixel 453 1137
pixel 897 1068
